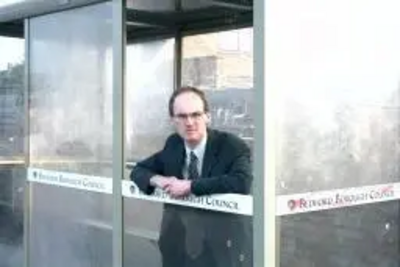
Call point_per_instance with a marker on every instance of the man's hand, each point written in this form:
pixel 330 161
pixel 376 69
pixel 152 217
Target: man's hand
pixel 161 181
pixel 178 188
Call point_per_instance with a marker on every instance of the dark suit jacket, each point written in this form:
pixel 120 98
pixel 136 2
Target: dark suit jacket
pixel 226 169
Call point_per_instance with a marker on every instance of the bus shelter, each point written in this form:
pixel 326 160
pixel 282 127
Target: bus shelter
pixel 311 87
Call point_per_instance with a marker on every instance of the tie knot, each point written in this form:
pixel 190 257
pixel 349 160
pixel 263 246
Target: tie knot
pixel 193 156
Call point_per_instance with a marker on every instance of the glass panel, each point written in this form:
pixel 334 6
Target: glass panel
pixel 145 134
pixel 71 131
pixel 336 68
pixel 226 75
pixel 156 233
pixel 12 174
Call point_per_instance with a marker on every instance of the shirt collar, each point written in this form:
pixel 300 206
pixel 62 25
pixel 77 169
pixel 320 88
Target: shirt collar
pixel 199 149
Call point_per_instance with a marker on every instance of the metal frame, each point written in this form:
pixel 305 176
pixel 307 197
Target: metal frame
pixel 12 29
pixel 143 25
pixel 178 52
pixel 27 186
pixel 178 61
pixel 264 189
pixel 29 9
pixel 119 46
pixel 241 5
pixel 264 220
pixel 188 23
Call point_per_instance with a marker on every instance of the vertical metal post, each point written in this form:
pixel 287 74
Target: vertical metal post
pixel 178 60
pixel 265 236
pixel 27 186
pixel 119 42
pixel 178 52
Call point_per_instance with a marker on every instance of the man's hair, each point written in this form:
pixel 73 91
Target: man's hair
pixel 187 89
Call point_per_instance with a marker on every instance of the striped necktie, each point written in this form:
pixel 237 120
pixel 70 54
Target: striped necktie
pixel 193 171
pixel 192 220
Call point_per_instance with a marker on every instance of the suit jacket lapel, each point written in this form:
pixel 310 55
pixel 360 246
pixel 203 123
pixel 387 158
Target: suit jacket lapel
pixel 210 154
pixel 177 159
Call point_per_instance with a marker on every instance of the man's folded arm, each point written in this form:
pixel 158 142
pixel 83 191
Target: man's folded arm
pixel 145 170
pixel 237 180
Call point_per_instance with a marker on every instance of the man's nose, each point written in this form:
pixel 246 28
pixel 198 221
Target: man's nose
pixel 189 120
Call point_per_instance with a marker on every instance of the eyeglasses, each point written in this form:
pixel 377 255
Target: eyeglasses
pixel 184 116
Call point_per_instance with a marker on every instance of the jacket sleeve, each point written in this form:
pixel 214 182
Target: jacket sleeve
pixel 237 179
pixel 144 170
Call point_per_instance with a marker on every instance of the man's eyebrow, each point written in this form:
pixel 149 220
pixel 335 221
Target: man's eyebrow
pixel 194 112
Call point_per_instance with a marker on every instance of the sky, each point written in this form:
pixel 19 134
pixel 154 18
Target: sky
pixel 11 51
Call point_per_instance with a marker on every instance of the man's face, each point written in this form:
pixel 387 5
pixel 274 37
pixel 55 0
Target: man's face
pixel 189 117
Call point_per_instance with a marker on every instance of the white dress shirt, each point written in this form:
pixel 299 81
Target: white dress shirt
pixel 199 151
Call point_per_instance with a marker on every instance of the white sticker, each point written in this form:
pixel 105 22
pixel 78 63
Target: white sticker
pixel 230 203
pixel 333 199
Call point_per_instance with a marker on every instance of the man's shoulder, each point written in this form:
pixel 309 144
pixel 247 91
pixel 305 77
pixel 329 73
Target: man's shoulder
pixel 227 138
pixel 173 139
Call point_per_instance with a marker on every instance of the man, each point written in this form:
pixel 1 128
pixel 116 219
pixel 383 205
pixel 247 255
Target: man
pixel 200 161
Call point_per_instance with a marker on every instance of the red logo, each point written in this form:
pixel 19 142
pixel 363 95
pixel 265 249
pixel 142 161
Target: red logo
pixel 292 204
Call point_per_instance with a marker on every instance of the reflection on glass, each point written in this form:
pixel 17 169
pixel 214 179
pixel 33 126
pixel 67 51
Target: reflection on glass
pixel 71 131
pixel 338 83
pixel 340 104
pixel 11 151
pixel 147 122
pixel 71 123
